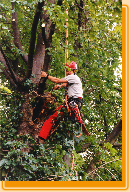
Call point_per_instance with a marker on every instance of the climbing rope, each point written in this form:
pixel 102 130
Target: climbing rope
pixel 66 97
pixel 66 49
pixel 73 157
pixel 73 149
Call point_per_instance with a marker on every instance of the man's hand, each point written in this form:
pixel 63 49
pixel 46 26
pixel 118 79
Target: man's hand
pixel 43 74
pixel 53 79
pixel 57 87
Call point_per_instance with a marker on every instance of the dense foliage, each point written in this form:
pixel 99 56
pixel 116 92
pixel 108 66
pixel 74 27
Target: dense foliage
pixel 95 44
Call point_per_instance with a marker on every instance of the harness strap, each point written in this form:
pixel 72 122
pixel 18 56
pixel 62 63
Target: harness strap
pixel 81 123
pixel 78 115
pixel 80 132
pixel 67 103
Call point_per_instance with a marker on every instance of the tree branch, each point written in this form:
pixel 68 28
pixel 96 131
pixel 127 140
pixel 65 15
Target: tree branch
pixel 43 43
pixel 89 145
pixel 7 66
pixel 102 166
pixel 14 63
pixel 48 31
pixel 32 40
pixel 89 91
pixel 17 41
pixel 38 59
pixel 2 60
pixel 114 134
pixel 8 76
pixel 48 42
pixel 120 90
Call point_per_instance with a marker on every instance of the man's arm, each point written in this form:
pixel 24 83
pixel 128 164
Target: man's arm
pixel 54 79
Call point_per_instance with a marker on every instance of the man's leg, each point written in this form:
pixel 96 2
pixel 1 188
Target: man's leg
pixel 76 113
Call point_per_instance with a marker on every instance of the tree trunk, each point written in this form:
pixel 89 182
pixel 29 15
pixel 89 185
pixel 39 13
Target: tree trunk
pixel 26 124
pixel 38 60
pixel 34 113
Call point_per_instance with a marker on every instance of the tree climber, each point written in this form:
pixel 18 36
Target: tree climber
pixel 73 103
